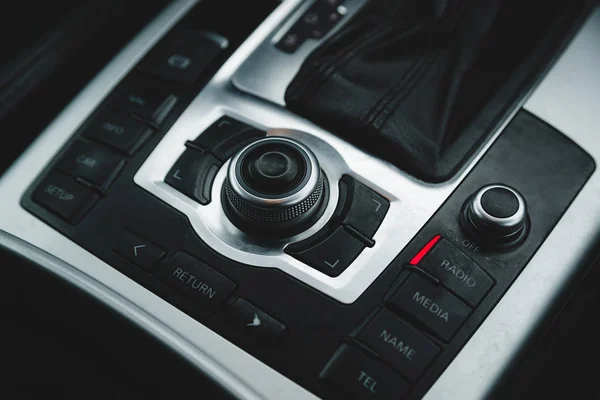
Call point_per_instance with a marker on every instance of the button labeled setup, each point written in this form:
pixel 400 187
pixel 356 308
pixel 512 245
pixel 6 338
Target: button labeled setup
pixel 333 254
pixel 433 305
pixel 193 175
pixel 457 271
pixel 254 321
pixel 361 377
pixel 196 280
pixel 140 252
pixel 147 101
pixel 118 130
pixel 90 162
pixel 65 197
pixel 396 342
pixel 182 56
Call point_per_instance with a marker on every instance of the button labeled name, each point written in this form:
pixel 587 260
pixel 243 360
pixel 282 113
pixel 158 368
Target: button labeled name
pixel 398 343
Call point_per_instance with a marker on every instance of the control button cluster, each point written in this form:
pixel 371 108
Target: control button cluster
pixel 200 283
pixel 87 167
pixel 424 310
pixel 315 23
pixel 195 170
pixel 358 215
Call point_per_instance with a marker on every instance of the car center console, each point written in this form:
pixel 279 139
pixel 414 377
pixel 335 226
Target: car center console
pixel 283 261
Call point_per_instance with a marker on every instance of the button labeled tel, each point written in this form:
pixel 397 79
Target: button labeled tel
pixel 367 381
pixel 362 377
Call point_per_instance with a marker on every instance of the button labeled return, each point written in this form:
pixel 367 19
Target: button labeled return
pixel 196 280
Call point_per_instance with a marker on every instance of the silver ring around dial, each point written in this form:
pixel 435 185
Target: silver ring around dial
pixel 508 222
pixel 276 202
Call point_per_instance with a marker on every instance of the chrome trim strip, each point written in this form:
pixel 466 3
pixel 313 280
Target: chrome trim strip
pixel 507 222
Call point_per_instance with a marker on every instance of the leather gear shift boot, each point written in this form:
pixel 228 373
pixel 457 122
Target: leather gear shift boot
pixel 421 83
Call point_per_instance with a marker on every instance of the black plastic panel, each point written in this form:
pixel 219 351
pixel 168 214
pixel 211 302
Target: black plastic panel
pixel 541 163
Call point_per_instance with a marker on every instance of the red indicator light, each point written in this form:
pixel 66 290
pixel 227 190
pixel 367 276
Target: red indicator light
pixel 415 260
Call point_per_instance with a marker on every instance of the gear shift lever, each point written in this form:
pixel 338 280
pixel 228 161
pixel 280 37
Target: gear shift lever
pixel 421 83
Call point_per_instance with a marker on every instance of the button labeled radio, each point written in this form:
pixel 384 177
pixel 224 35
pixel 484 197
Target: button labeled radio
pixel 457 272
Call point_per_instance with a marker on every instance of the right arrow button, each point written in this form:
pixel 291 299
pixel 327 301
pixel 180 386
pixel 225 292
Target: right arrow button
pixel 254 321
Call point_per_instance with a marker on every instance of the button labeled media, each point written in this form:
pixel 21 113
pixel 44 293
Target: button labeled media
pixel 434 306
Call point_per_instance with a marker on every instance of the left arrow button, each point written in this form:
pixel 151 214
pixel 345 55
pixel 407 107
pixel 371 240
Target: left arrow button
pixel 138 251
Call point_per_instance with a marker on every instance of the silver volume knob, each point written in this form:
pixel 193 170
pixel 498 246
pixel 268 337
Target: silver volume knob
pixel 274 187
pixel 496 217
